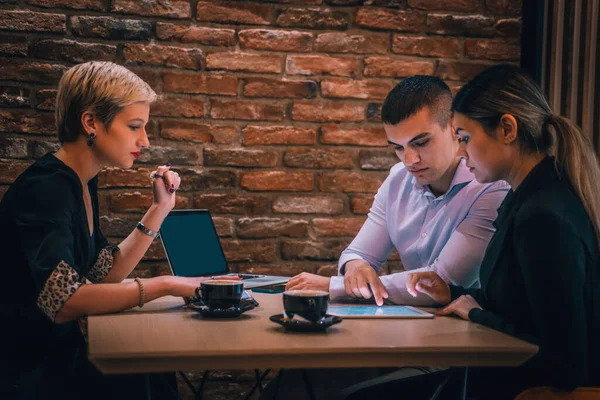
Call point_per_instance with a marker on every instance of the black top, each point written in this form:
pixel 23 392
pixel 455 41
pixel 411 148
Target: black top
pixel 540 282
pixel 47 253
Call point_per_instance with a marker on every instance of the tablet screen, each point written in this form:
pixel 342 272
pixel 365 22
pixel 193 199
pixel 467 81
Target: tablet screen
pixel 378 312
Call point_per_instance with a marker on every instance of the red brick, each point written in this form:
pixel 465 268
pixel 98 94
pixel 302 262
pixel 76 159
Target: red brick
pixel 72 51
pixel 117 227
pixel 374 112
pixel 264 39
pixel 250 250
pixel 3 190
pixel 170 106
pixel 359 136
pixel 397 68
pixel 455 87
pixel 46 99
pixel 234 13
pixel 342 42
pixel 284 135
pixel 305 250
pixel 337 226
pixel 150 76
pixel 277 181
pixel 177 9
pixel 195 34
pixel 321 65
pixel 459 70
pixel 14 96
pixel 318 158
pixel 224 226
pixel 263 87
pixel 349 182
pixel 138 202
pixel 311 18
pixel 508 27
pixel 32 21
pixel 30 71
pixel 308 205
pixel 382 18
pixel 504 7
pixel 27 122
pixel 460 25
pixel 39 148
pixel 240 158
pixel 215 179
pixel 116 177
pixel 13 45
pixel 427 46
pixel 194 83
pixel 445 5
pixel 246 110
pixel 10 170
pixel 247 62
pixel 233 203
pixel 13 147
pixel 327 270
pixel 377 159
pixel 270 227
pixel 361 203
pixel 197 132
pixel 492 49
pixel 168 56
pixel 159 155
pixel 321 111
pixel 355 89
pixel 97 5
pixel 111 28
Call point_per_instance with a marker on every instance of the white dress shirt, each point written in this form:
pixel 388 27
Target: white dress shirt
pixel 446 234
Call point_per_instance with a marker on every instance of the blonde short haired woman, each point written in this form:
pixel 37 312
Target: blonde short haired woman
pixel 52 246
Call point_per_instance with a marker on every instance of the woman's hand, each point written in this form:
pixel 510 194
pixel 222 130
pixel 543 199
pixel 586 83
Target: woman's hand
pixel 429 283
pixel 164 186
pixel 461 307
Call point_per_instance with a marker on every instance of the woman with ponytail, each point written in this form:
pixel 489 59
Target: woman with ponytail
pixel 540 273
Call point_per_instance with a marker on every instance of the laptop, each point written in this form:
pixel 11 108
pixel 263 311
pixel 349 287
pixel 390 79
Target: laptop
pixel 193 248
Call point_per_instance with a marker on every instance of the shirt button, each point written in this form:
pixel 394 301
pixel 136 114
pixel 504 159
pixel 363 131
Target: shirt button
pixel 423 235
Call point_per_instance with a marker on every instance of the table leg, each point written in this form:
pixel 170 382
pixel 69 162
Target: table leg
pixel 258 384
pixel 464 372
pixel 307 385
pixel 148 388
pixel 277 383
pixel 200 391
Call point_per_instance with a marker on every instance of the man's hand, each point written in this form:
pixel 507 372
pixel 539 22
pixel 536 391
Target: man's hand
pixel 308 281
pixel 361 280
pixel 461 307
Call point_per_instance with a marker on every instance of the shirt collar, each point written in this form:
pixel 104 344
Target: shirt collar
pixel 461 176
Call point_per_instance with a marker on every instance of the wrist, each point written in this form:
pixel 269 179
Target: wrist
pixel 165 285
pixel 159 210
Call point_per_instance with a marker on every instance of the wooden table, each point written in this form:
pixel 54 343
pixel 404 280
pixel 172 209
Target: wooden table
pixel 165 336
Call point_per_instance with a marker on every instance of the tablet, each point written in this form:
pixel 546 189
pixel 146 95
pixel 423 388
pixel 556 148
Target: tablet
pixel 369 311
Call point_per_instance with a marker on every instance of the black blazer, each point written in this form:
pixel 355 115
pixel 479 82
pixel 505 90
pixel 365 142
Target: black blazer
pixel 540 282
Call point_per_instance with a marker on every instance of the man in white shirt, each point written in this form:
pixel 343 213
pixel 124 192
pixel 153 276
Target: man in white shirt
pixel 430 207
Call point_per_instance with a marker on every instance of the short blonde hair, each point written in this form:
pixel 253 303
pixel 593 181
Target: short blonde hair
pixel 102 88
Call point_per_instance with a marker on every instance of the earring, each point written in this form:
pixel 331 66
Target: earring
pixel 90 141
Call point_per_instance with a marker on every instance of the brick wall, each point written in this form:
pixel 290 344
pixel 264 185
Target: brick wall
pixel 270 111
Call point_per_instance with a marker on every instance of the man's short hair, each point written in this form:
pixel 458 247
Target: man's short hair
pixel 414 93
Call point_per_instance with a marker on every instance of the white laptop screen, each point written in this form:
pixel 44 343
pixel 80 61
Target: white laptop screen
pixel 191 244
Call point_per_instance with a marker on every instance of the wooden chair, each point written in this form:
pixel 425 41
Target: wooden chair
pixel 546 393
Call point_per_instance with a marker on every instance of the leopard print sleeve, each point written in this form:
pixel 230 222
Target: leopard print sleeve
pixel 60 286
pixel 103 264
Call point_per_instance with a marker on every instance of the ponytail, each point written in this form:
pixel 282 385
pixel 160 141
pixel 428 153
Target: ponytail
pixel 574 154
